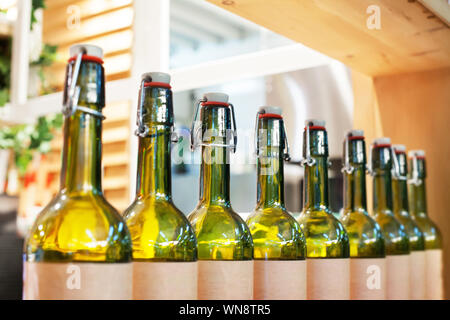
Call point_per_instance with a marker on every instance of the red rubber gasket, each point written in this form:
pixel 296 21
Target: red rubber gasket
pixel 157 84
pixel 270 115
pixel 86 57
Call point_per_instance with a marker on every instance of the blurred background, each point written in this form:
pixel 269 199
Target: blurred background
pixel 203 47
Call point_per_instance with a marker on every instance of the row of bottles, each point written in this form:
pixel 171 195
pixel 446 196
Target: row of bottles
pixel 80 247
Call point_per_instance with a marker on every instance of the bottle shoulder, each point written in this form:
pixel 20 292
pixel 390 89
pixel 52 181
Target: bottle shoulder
pixel 415 235
pixel 80 228
pixel 431 233
pixel 216 216
pixel 325 235
pixel 276 235
pixel 156 211
pixel 221 233
pixel 395 236
pixel 160 231
pixel 315 223
pixel 365 235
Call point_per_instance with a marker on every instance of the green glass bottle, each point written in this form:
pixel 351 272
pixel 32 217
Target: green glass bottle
pixel 327 243
pixel 432 235
pixel 225 248
pixel 367 251
pixel 395 236
pixel 401 210
pixel 279 244
pixel 164 244
pixel 79 246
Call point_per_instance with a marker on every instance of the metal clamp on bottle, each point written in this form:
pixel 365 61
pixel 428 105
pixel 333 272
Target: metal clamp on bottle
pixel 275 111
pixel 71 105
pixel 308 160
pixel 413 155
pixel 196 128
pixel 369 167
pixel 396 165
pixel 347 168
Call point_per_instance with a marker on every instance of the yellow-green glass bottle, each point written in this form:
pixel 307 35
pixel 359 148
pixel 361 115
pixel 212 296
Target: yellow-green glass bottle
pixel 395 236
pixel 367 251
pixel 401 211
pixel 164 243
pixel 279 244
pixel 432 235
pixel 79 246
pixel 327 243
pixel 225 248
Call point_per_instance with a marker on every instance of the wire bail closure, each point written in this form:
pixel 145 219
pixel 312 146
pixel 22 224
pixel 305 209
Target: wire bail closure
pixel 196 129
pixel 369 167
pixel 286 155
pixel 143 130
pixel 347 168
pixel 396 167
pixel 415 173
pixel 308 160
pixel 71 106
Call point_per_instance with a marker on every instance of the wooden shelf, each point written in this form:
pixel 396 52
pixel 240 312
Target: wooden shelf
pixel 411 37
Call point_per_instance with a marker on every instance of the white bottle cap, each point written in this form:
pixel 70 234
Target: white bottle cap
pixel 399 147
pixel 270 109
pixel 156 77
pixel 355 133
pixel 216 97
pixel 416 153
pixel 383 140
pixel 88 49
pixel 315 122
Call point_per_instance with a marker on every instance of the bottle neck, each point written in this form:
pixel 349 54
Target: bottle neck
pixel 154 178
pixel 400 196
pixel 316 185
pixel 420 198
pixel 417 185
pixel 215 176
pixel 270 168
pixel 215 167
pixel 81 161
pixel 315 151
pixel 382 196
pixel 355 189
pixel 81 171
pixel 399 183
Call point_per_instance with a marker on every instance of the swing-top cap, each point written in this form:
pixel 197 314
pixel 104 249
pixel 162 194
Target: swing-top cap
pixel 156 77
pixel 381 141
pixel 314 123
pixel 399 148
pixel 416 153
pixel 270 109
pixel 355 133
pixel 216 97
pixel 88 49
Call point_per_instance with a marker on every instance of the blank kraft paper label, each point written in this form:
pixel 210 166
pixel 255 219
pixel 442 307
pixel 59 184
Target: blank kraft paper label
pixel 398 277
pixel 225 280
pixel 77 281
pixel 279 280
pixel 165 280
pixel 434 290
pixel 328 279
pixel 417 275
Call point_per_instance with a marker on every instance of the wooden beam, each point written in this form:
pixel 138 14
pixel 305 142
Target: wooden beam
pixel 413 109
pixel 410 37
